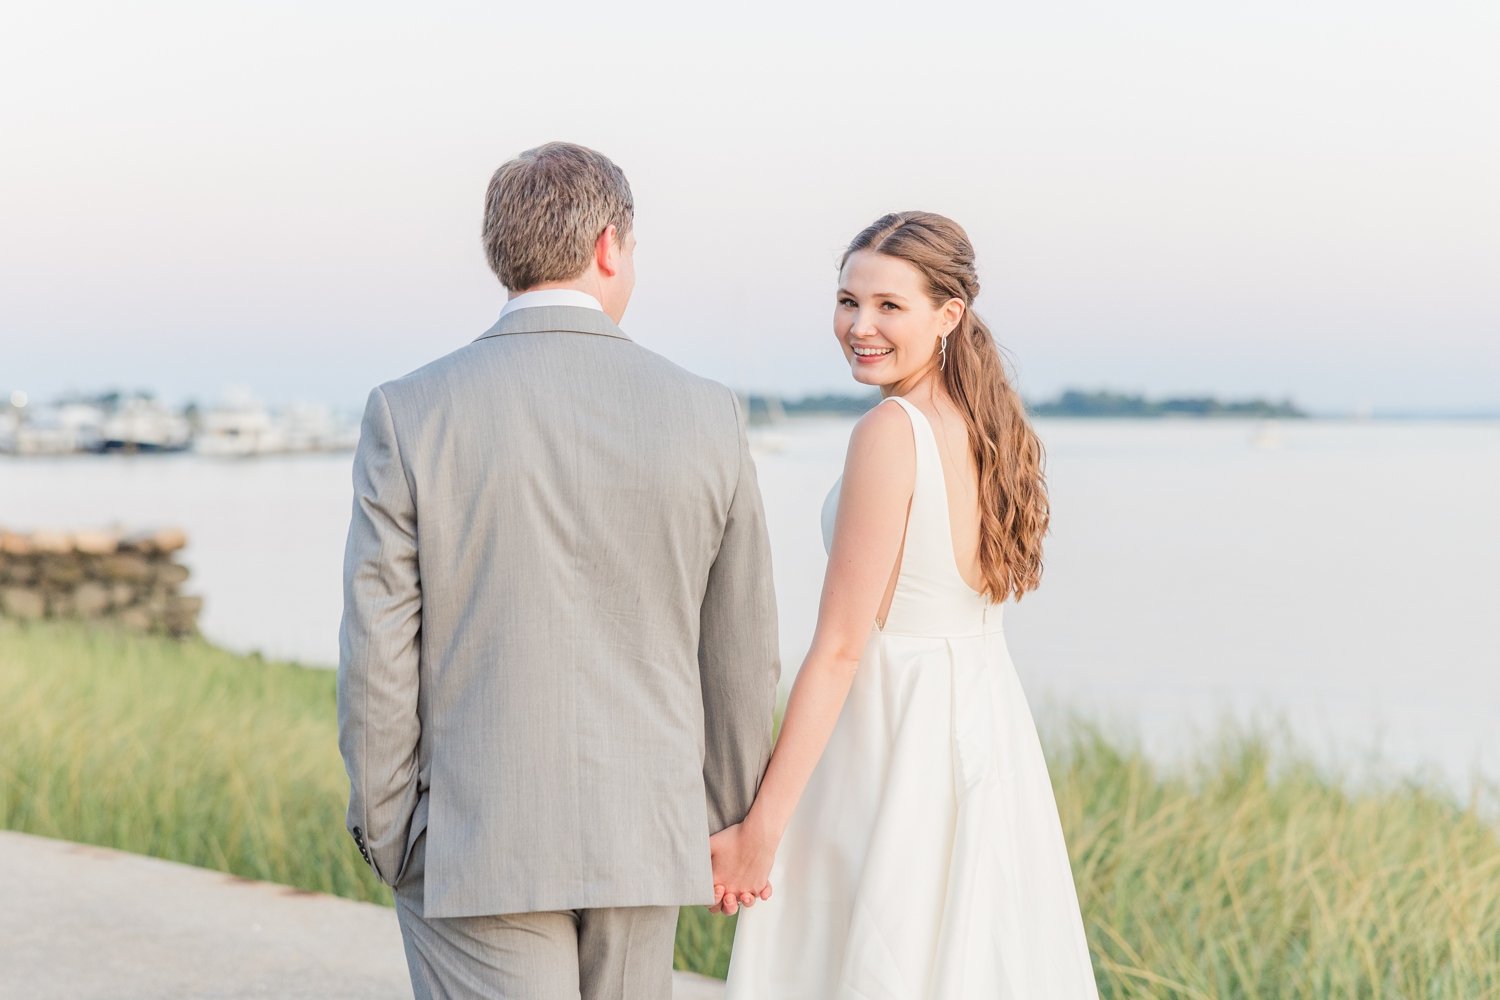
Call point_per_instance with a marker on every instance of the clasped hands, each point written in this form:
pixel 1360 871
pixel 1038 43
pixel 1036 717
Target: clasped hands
pixel 742 868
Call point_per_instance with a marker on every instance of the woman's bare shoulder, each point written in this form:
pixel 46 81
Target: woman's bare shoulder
pixel 881 445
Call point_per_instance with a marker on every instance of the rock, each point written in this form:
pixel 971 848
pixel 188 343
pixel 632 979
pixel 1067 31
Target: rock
pixel 18 602
pixel 156 602
pixel 170 540
pixel 62 571
pixel 138 541
pixel 19 571
pixel 98 573
pixel 91 599
pixel 127 566
pixel 155 541
pixel 136 619
pixel 51 542
pixel 190 604
pixel 121 595
pixel 178 626
pixel 181 615
pixel 97 543
pixel 170 574
pixel 13 544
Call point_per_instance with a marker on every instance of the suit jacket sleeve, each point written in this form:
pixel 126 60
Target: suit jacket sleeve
pixel 379 645
pixel 738 655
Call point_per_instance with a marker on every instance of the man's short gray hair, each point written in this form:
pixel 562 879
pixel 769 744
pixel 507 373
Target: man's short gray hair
pixel 544 211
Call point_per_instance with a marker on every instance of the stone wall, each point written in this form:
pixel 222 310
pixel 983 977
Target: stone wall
pixel 105 575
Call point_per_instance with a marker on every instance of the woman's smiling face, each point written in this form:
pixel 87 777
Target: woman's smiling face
pixel 886 323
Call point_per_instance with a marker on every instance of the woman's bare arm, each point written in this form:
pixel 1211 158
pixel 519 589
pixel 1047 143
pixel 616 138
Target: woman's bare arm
pixel 879 476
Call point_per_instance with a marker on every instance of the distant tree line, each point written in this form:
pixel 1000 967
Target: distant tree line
pixel 1103 403
pixel 1069 403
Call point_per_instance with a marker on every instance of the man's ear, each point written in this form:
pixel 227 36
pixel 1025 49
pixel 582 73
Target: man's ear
pixel 607 250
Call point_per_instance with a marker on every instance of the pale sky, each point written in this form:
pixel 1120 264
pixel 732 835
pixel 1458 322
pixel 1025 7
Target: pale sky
pixel 1279 198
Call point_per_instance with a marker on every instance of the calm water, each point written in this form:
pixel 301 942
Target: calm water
pixel 1343 575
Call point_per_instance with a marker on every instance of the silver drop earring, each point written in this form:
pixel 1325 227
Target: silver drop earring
pixel 943 353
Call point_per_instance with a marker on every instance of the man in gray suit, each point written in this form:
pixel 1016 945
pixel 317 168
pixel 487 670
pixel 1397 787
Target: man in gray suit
pixel 558 655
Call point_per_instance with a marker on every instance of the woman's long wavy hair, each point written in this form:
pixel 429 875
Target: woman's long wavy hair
pixel 1013 508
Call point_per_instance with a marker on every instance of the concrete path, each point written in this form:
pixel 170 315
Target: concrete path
pixel 80 922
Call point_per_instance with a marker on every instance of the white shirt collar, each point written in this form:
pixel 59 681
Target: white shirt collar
pixel 551 297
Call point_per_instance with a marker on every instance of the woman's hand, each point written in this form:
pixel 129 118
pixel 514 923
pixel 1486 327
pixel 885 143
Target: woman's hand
pixel 742 868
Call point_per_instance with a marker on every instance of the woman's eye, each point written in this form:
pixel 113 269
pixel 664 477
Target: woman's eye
pixel 846 302
pixel 891 304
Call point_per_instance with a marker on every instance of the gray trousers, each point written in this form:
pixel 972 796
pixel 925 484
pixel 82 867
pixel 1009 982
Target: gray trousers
pixel 615 953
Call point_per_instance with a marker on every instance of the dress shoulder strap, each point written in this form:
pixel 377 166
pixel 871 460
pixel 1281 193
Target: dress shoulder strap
pixel 928 525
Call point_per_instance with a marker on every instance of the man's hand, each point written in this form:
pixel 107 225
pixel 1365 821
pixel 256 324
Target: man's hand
pixel 742 869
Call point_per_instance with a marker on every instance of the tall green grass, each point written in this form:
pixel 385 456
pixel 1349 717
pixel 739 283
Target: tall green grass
pixel 1259 874
pixel 1250 875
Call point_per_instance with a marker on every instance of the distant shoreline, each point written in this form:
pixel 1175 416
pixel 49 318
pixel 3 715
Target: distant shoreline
pixel 769 409
pixel 138 424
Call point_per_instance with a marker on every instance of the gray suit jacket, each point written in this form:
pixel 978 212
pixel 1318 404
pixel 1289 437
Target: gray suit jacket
pixel 558 650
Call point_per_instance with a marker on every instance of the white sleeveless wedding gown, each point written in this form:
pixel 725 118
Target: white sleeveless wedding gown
pixel 926 860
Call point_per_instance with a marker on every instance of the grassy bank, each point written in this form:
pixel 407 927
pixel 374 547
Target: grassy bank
pixel 1247 877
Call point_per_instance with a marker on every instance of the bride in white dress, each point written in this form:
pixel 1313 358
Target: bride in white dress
pixel 906 818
